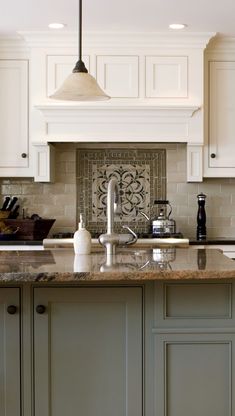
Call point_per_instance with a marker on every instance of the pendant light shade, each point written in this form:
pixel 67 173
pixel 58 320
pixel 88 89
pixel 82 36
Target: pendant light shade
pixel 80 86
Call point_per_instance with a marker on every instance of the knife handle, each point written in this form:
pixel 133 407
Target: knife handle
pixel 12 203
pixel 5 203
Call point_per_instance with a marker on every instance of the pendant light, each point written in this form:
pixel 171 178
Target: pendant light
pixel 80 86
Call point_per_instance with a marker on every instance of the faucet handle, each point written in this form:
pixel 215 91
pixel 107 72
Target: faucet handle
pixel 135 238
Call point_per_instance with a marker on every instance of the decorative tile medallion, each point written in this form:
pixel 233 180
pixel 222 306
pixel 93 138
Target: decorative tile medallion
pixel 141 175
pixel 134 185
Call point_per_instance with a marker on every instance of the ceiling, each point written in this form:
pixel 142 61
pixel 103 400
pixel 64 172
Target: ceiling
pixel 123 15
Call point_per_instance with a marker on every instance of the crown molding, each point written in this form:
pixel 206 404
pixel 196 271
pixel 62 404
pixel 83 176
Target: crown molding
pixel 11 44
pixel 52 111
pixel 222 44
pixel 50 39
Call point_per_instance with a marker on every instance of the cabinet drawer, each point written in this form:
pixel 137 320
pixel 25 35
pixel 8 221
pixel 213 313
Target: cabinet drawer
pixel 193 304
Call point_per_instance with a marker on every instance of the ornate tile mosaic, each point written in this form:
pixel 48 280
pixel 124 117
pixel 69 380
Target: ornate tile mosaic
pixel 142 179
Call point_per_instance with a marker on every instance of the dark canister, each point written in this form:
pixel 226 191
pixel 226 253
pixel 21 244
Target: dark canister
pixel 201 217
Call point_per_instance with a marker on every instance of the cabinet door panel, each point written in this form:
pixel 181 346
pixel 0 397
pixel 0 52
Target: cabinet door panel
pixel 9 354
pixel 119 75
pixel 194 375
pixel 167 76
pixel 13 113
pixel 222 114
pixel 88 354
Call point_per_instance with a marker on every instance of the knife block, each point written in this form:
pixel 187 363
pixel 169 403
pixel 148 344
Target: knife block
pixel 31 229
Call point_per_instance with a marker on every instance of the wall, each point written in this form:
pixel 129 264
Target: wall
pixel 58 200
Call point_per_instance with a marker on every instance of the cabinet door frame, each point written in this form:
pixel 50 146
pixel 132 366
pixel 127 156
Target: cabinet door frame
pixel 161 343
pixel 17 161
pixel 42 352
pixel 212 168
pixel 11 404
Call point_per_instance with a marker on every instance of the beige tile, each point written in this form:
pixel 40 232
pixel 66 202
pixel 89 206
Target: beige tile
pixel 181 166
pixel 233 220
pixel 65 200
pixel 60 167
pixel 53 188
pixel 70 188
pixel 228 188
pixel 70 211
pixel 189 188
pixel 173 177
pixel 67 156
pixel 65 177
pixel 32 189
pixel 222 232
pixel 70 167
pixel 11 189
pixel 52 211
pixel 219 222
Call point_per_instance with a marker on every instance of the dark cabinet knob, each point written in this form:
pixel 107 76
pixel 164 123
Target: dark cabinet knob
pixel 40 309
pixel 23 155
pixel 11 309
pixel 213 155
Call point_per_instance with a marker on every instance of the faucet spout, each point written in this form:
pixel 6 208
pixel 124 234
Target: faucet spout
pixel 113 201
pixel 111 239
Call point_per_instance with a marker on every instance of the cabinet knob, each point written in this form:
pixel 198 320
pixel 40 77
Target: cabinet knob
pixel 40 309
pixel 213 155
pixel 11 309
pixel 23 155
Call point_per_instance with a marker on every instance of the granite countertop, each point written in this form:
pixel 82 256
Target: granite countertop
pixel 62 266
pixel 68 242
pixel 213 241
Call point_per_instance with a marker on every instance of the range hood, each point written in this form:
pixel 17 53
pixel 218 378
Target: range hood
pixel 112 121
pixel 162 100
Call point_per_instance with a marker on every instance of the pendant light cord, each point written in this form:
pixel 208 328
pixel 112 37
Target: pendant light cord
pixel 80 30
pixel 80 66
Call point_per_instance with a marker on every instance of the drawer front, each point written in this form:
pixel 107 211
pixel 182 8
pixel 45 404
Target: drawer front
pixel 191 304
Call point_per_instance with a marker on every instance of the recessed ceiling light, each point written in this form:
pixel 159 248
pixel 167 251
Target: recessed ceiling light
pixel 56 25
pixel 177 26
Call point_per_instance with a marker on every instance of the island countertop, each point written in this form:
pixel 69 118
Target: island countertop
pixel 62 266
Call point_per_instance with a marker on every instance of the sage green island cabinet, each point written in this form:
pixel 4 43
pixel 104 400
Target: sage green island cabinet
pixel 88 351
pixel 10 382
pixel 150 348
pixel 194 349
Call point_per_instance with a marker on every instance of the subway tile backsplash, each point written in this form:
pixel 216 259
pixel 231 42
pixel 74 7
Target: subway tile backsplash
pixel 64 199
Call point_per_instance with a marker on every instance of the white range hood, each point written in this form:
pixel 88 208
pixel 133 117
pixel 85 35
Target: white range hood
pixel 156 81
pixel 112 121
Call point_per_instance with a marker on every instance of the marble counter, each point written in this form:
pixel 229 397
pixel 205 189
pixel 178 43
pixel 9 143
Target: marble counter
pixel 62 266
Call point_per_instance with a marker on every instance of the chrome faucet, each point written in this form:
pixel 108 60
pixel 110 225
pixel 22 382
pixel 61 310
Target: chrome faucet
pixel 113 203
pixel 111 239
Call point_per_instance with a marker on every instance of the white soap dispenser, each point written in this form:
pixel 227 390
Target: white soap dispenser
pixel 82 239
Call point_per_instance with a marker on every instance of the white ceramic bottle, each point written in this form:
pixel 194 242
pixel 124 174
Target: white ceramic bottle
pixel 82 239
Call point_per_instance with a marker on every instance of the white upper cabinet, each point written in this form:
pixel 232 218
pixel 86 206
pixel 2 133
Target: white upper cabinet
pixel 14 114
pixel 167 76
pixel 222 115
pixel 219 158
